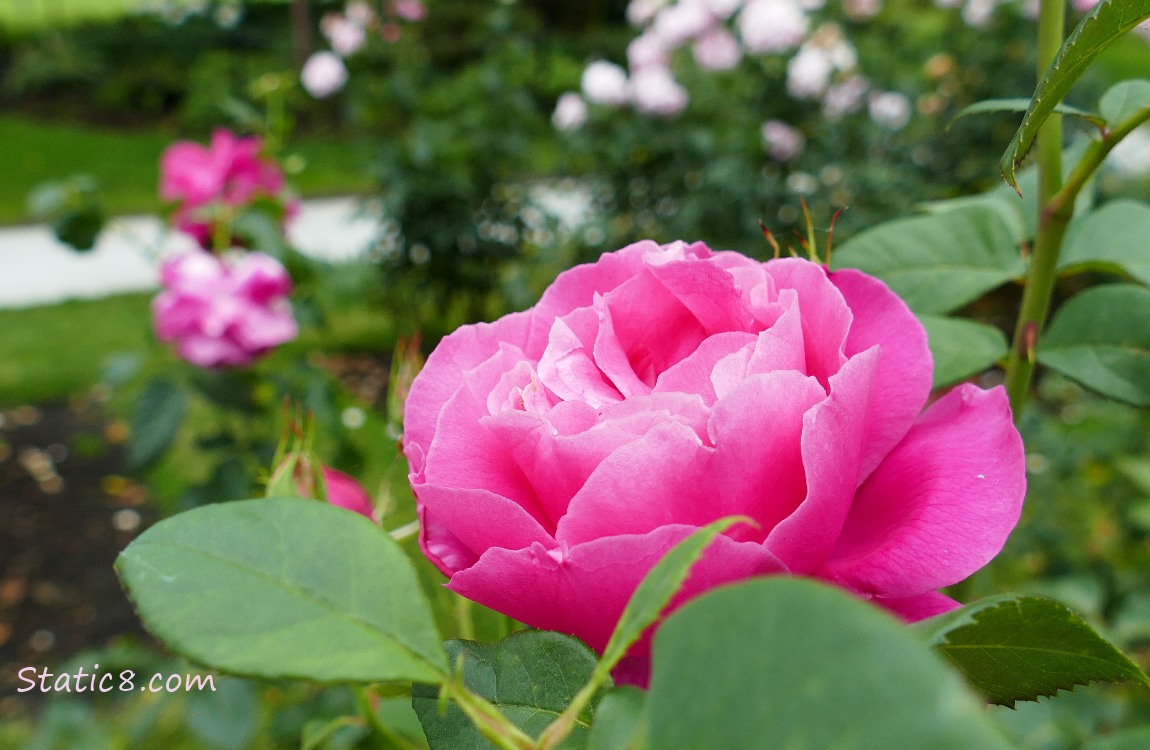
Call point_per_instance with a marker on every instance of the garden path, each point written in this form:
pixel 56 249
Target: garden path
pixel 36 269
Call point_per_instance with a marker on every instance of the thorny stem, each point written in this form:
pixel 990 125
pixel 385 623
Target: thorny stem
pixel 1052 223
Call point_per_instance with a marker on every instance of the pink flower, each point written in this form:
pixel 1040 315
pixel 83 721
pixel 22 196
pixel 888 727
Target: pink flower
pixel 656 92
pixel 781 141
pixel 570 112
pixel 230 172
pixel 718 50
pixel 409 10
pixel 345 492
pixel 223 313
pixel 558 453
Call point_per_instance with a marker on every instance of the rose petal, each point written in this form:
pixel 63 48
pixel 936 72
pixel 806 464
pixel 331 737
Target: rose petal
pixel 903 382
pixel 826 318
pixel 940 505
pixel 915 608
pixel 693 373
pixel 757 467
pixel 443 373
pixel 582 590
pixel 474 517
pixel 831 443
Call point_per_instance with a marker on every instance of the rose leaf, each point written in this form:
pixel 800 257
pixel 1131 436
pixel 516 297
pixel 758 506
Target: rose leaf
pixel 1101 339
pixel 783 662
pixel 1015 648
pixel 530 676
pixel 284 588
pixel 961 348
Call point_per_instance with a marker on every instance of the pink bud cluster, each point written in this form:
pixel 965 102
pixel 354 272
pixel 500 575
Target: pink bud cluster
pixel 324 73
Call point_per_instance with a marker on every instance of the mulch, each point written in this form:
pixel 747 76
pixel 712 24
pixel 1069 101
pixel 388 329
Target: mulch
pixel 66 510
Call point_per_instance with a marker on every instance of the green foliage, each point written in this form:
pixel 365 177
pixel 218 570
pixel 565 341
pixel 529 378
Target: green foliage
pixel 72 207
pixel 1124 100
pixel 1019 648
pixel 1110 239
pixel 994 106
pixel 1105 23
pixel 530 676
pixel 939 262
pixel 253 588
pixel 618 720
pixel 1101 338
pixel 156 419
pixel 961 348
pixel 821 668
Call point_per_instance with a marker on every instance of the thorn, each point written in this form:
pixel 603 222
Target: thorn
pixel 1029 340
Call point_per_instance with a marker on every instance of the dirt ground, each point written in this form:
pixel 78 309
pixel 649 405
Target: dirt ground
pixel 66 511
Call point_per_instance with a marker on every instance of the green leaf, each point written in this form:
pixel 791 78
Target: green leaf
pixel 284 588
pixel 530 676
pixel 1021 105
pixel 156 419
pixel 317 732
pixel 961 348
pixel 618 720
pixel 1101 339
pixel 1106 21
pixel 1017 648
pixel 939 262
pixel 1124 100
pixel 1111 239
pixel 782 663
pixel 1128 739
pixel 658 587
pixel 227 717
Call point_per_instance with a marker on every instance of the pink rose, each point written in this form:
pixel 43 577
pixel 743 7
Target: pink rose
pixel 229 172
pixel 345 492
pixel 223 313
pixel 558 453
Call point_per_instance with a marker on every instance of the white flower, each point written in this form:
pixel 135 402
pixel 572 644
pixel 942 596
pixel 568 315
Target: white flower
pixel 978 13
pixel 605 83
pixel 781 141
pixel 809 73
pixel 640 12
pixel 769 26
pixel 570 112
pixel 718 50
pixel 678 24
pixel 890 109
pixel 647 49
pixel 323 74
pixel 722 8
pixel 346 36
pixel 862 10
pixel 656 92
pixel 360 12
pixel 845 97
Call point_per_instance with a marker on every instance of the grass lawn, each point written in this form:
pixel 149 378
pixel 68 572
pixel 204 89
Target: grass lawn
pixel 25 15
pixel 127 164
pixel 54 351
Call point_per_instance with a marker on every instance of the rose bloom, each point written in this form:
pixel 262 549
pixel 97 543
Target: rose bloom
pixel 656 92
pixel 717 50
pixel 771 26
pixel 558 453
pixel 230 171
pixel 570 112
pixel 889 109
pixel 605 83
pixel 323 74
pixel 781 141
pixel 223 312
pixel 645 50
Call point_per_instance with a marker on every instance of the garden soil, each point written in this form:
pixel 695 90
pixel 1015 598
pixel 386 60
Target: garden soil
pixel 66 511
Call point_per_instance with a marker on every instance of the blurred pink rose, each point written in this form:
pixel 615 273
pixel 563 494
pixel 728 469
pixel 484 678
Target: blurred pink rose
pixel 323 74
pixel 558 453
pixel 717 50
pixel 223 313
pixel 656 92
pixel 345 492
pixel 229 172
pixel 409 10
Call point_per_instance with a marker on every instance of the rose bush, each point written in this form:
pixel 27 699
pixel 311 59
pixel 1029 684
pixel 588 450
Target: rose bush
pixel 557 453
pixel 223 312
pixel 228 173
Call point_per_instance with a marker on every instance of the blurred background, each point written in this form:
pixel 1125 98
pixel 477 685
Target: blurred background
pixel 449 158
